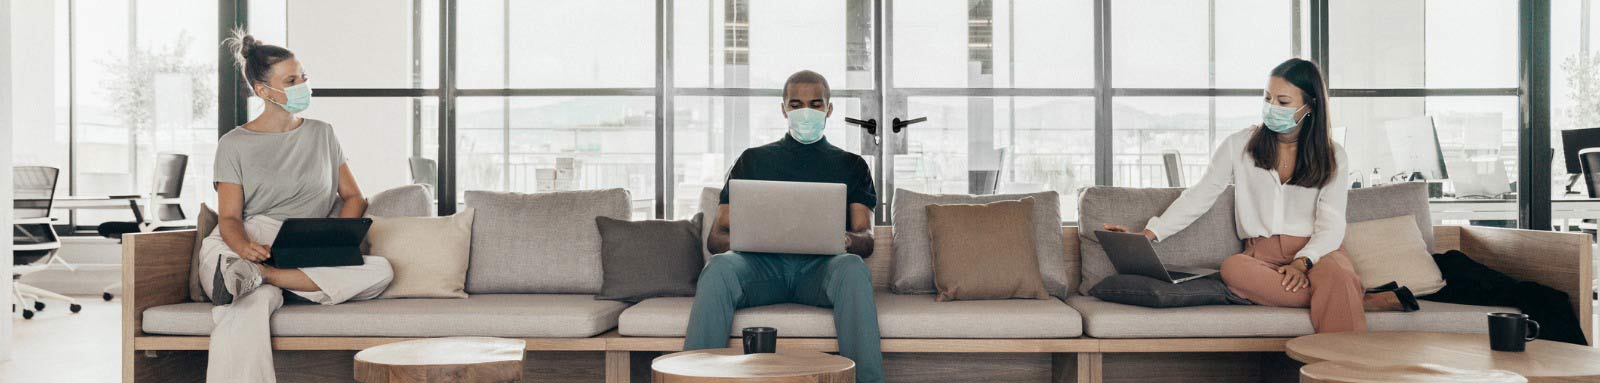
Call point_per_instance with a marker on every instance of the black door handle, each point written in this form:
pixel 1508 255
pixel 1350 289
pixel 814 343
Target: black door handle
pixel 899 125
pixel 871 125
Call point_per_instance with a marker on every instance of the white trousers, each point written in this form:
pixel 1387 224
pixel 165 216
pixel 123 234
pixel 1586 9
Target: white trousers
pixel 241 342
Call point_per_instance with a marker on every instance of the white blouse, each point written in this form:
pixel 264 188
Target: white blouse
pixel 1263 207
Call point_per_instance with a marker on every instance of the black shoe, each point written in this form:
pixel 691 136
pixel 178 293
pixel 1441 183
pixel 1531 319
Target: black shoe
pixel 1387 287
pixel 1408 301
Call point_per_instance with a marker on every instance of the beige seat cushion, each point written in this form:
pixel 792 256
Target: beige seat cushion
pixel 429 254
pixel 1391 249
pixel 899 316
pixel 497 315
pixel 1103 319
pixel 984 251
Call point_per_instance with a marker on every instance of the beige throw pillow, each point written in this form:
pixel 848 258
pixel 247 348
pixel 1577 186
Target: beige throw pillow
pixel 429 254
pixel 1391 249
pixel 984 251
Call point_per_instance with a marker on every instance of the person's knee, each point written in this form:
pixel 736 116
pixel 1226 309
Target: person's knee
pixel 729 262
pixel 1235 267
pixel 850 269
pixel 1330 274
pixel 382 270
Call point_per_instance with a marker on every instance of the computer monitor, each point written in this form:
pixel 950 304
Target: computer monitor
pixel 1414 145
pixel 1575 140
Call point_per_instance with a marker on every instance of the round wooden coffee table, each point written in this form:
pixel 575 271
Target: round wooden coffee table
pixel 728 365
pixel 1338 372
pixel 1544 361
pixel 463 359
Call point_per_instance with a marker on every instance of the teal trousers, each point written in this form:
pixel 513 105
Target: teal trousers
pixel 731 281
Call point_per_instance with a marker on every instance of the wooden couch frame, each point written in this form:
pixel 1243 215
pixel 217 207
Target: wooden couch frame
pixel 156 272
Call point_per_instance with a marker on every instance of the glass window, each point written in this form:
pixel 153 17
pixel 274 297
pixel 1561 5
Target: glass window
pixel 380 136
pixel 758 44
pixel 533 144
pixel 995 44
pixel 1251 37
pixel 556 44
pixel 394 45
pixel 1159 44
pixel 152 93
pixel 711 132
pixel 1025 144
pixel 1416 43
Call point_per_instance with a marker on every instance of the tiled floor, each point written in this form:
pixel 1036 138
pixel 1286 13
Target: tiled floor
pixel 58 346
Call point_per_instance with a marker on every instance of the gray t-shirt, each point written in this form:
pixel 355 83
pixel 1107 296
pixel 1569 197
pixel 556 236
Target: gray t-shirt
pixel 294 174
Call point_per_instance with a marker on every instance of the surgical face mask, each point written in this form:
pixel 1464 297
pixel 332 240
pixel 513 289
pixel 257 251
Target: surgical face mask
pixel 806 124
pixel 296 98
pixel 1280 119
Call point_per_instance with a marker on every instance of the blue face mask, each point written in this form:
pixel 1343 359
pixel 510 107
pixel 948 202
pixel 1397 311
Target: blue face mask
pixel 806 124
pixel 1280 119
pixel 296 98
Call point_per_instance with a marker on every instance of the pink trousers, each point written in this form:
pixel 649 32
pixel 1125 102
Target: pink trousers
pixel 1334 294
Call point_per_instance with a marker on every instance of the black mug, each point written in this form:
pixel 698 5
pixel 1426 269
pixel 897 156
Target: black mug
pixel 760 340
pixel 1511 331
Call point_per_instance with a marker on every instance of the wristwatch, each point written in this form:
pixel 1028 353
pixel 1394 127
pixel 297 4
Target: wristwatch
pixel 1308 263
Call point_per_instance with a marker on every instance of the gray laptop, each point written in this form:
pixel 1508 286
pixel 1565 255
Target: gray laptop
pixel 786 217
pixel 1132 253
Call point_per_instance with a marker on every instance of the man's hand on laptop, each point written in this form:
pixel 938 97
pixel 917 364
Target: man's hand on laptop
pixel 1124 229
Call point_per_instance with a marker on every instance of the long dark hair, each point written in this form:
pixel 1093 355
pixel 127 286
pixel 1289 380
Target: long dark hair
pixel 1314 164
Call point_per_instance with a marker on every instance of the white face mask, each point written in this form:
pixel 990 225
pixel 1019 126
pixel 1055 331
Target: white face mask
pixel 806 125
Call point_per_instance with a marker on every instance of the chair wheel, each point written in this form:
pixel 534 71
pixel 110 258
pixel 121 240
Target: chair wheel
pixel 27 314
pixel 105 296
pixel 38 306
pixel 75 308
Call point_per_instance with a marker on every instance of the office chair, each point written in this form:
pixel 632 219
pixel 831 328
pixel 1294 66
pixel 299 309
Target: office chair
pixel 425 171
pixel 167 212
pixel 34 241
pixel 1172 162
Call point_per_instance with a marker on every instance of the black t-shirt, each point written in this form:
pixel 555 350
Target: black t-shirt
pixel 790 160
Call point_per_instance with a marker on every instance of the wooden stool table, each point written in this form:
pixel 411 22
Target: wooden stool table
pixel 1339 372
pixel 440 360
pixel 729 365
pixel 1544 361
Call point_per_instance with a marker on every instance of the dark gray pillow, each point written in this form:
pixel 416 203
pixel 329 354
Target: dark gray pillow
pixel 1139 290
pixel 648 259
pixel 1208 241
pixel 1389 201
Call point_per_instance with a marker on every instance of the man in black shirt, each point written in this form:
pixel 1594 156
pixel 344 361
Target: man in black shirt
pixel 733 280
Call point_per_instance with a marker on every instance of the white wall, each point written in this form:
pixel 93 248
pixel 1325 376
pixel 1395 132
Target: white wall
pixel 372 53
pixel 5 177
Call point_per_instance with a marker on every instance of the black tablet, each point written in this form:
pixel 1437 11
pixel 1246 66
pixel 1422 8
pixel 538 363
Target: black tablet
pixel 319 242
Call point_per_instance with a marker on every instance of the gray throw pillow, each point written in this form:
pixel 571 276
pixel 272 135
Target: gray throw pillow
pixel 1208 241
pixel 1389 201
pixel 1139 290
pixel 404 201
pixel 913 254
pixel 543 243
pixel 649 259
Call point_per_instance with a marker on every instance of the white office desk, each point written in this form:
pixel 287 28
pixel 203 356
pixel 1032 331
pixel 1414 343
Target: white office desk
pixel 1561 209
pixel 104 202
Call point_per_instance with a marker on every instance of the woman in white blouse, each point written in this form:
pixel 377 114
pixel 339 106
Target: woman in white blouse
pixel 1289 198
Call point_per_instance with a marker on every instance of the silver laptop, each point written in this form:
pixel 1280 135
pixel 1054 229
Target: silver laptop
pixel 786 217
pixel 1132 253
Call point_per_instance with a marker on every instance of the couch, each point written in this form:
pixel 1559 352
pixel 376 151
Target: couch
pixel 572 337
